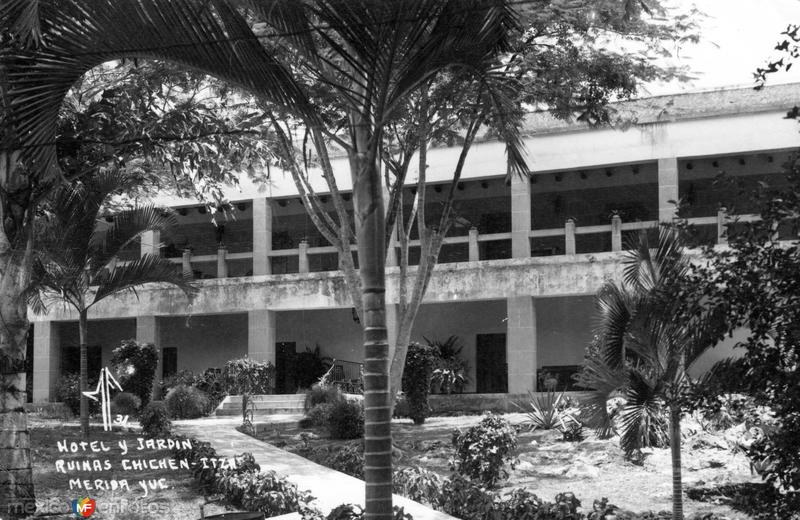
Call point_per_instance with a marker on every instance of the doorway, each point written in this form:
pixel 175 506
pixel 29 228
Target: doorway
pixel 490 360
pixel 284 367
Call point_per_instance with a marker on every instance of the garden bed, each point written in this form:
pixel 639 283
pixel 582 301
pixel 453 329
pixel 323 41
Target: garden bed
pixel 547 465
pixel 181 500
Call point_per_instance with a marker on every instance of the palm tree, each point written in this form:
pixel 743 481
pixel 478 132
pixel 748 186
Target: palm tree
pixel 371 54
pixel 652 327
pixel 77 261
pixel 47 47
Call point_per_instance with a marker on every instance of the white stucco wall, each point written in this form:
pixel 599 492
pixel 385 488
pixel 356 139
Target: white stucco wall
pixel 205 341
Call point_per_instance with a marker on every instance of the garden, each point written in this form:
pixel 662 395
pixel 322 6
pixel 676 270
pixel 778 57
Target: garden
pixel 493 458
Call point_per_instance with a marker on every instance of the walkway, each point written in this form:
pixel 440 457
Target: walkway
pixel 330 487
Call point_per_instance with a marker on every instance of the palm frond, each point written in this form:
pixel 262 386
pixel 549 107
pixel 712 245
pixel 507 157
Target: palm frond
pixel 77 35
pixel 602 382
pixel 22 20
pixel 126 227
pixel 650 266
pixel 614 316
pixel 143 270
pixel 643 421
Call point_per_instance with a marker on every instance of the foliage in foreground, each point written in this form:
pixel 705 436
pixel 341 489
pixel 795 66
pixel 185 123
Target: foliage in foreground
pixel 756 283
pixel 244 486
pixel 470 500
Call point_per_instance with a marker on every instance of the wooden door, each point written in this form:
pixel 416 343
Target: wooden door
pixel 284 367
pixel 490 360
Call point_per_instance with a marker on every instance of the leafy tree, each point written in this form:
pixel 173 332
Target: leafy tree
pixel 372 55
pixel 789 48
pixel 552 56
pixel 77 253
pixel 45 48
pixel 652 328
pixel 756 283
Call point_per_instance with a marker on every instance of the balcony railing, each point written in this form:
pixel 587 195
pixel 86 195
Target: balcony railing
pixel 569 233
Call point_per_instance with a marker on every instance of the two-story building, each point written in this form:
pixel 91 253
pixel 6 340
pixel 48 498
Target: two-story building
pixel 518 272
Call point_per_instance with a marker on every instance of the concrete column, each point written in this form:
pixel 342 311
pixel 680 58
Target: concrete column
pixel 616 233
pixel 262 236
pixel 474 250
pixel 186 263
pixel 520 217
pixel 569 237
pixel 302 261
pixel 261 335
pixel 222 262
pixel 667 188
pixel 147 331
pixel 722 218
pixel 46 360
pixel 521 344
pixel 150 243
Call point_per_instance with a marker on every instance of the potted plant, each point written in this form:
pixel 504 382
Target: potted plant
pixel 449 369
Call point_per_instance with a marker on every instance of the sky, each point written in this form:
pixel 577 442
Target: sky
pixel 737 36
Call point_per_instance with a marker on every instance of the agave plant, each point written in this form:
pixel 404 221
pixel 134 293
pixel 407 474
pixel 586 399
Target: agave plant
pixel 546 410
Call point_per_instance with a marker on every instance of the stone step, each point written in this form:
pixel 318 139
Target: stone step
pixel 262 407
pixel 294 398
pixel 264 404
pixel 260 411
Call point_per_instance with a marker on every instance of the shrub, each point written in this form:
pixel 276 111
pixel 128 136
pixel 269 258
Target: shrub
pixel 245 487
pixel 186 402
pixel 483 449
pixel 317 416
pixel 135 365
pixel 420 485
pixel 260 491
pixel 154 420
pixel 417 380
pixel 247 376
pixel 125 403
pixel 348 459
pixel 322 394
pixel 68 392
pixel 346 420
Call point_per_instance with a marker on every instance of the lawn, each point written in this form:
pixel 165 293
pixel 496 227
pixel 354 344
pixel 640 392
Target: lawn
pixel 180 500
pixel 547 465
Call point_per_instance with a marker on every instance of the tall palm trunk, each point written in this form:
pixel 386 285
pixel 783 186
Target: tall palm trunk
pixel 368 204
pixel 675 448
pixel 83 331
pixel 17 499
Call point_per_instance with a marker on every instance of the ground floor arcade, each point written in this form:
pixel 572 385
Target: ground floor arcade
pixel 505 342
